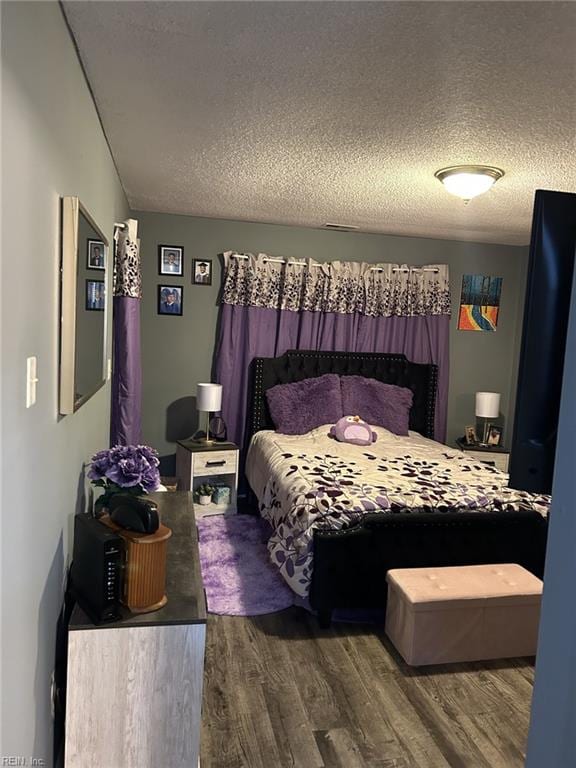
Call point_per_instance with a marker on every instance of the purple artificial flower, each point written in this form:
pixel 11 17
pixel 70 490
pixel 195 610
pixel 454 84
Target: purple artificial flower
pixel 127 466
pixel 150 454
pixel 149 464
pixel 100 465
pixel 126 472
pixel 150 479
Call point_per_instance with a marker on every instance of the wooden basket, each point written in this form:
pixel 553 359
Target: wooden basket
pixel 144 587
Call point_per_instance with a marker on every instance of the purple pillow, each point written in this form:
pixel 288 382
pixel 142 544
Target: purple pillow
pixel 382 405
pixel 300 406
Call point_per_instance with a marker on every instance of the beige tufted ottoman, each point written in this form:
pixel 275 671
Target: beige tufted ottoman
pixel 463 613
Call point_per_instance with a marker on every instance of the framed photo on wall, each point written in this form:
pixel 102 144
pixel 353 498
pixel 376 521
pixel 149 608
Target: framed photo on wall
pixel 170 260
pixel 95 254
pixel 202 271
pixel 95 295
pixel 170 299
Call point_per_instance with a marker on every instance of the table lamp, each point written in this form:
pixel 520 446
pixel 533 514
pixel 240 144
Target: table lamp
pixel 208 399
pixel 487 407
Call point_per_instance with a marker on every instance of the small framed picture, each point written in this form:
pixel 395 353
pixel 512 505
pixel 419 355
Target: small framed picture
pixel 202 271
pixel 95 295
pixel 95 254
pixel 494 434
pixel 470 434
pixel 170 298
pixel 170 260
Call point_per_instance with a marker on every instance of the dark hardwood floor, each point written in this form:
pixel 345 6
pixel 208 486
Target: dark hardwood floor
pixel 280 691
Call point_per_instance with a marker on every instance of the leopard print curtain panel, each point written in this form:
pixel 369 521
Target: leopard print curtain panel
pixel 127 280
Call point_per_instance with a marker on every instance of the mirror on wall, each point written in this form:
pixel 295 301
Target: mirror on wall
pixel 84 306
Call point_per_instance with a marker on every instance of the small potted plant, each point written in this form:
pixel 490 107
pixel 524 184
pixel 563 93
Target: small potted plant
pixel 204 493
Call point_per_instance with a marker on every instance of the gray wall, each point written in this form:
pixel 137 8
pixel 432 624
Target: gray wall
pixel 177 351
pixel 52 145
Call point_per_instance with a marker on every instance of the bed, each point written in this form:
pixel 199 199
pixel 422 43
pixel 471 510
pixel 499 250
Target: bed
pixel 342 515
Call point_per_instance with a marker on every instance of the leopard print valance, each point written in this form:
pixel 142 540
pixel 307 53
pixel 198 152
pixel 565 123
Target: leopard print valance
pixel 127 279
pixel 344 287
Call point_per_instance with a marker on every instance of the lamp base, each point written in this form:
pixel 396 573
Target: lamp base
pixel 204 441
pixel 484 442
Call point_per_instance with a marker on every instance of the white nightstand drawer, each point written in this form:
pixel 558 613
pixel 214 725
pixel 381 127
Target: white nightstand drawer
pixel 215 462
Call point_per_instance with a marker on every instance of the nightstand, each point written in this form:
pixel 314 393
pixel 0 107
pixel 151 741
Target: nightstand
pixel 198 463
pixel 494 455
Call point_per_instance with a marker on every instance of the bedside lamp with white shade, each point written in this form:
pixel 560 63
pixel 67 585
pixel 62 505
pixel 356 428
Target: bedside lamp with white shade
pixel 208 400
pixel 487 407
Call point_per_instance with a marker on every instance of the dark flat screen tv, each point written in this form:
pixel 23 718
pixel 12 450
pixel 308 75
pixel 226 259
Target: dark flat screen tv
pixel 548 295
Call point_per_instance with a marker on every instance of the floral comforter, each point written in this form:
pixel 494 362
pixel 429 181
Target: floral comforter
pixel 311 481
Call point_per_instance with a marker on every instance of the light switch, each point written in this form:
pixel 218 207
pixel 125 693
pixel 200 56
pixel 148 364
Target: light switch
pixel 31 380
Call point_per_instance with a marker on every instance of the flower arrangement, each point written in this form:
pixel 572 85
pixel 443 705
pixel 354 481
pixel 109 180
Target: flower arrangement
pixel 124 469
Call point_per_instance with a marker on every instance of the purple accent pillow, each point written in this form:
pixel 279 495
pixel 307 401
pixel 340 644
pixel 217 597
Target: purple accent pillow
pixel 300 406
pixel 382 405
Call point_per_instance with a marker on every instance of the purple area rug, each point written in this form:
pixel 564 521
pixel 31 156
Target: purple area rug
pixel 239 578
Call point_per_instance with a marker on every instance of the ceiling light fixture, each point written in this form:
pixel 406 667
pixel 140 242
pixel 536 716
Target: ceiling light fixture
pixel 468 181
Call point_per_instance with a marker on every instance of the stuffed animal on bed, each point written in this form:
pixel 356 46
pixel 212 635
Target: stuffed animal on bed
pixel 351 429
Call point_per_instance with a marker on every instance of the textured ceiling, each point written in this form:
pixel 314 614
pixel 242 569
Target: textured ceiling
pixel 307 113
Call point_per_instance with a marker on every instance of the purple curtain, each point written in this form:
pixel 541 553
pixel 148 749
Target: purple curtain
pixel 247 332
pixel 125 427
pixel 125 422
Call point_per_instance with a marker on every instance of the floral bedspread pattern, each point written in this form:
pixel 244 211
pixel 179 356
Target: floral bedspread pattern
pixel 332 488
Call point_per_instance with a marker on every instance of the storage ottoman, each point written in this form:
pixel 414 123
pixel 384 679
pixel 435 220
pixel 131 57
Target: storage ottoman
pixel 463 613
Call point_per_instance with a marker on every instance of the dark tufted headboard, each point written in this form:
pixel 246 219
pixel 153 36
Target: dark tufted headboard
pixel 296 365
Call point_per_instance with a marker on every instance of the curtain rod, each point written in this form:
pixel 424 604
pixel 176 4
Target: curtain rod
pixel 303 264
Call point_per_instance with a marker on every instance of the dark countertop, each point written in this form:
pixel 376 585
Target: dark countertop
pixel 463 445
pixel 184 589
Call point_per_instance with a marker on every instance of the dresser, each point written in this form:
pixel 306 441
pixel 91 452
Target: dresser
pixel 134 687
pixel 493 454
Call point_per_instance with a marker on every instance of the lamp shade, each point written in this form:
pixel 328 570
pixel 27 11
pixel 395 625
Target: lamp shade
pixel 208 397
pixel 487 405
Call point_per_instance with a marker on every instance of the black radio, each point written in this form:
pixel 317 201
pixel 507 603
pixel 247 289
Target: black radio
pixel 96 569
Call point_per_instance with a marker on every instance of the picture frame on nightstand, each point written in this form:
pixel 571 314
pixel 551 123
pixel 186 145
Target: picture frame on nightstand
pixel 494 433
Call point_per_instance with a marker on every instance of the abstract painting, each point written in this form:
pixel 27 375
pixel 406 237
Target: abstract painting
pixel 479 303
